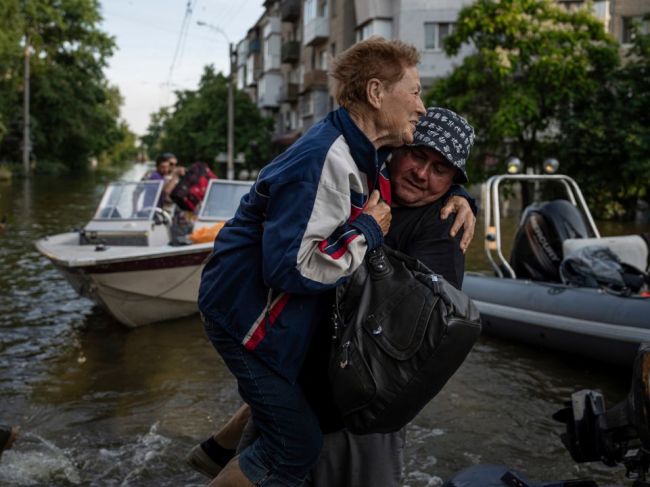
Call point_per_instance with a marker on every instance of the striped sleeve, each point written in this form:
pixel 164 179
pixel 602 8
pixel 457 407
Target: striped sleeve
pixel 309 243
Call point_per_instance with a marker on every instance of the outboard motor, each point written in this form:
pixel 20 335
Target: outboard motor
pixel 537 251
pixel 616 436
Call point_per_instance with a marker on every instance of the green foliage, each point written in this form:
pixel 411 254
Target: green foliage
pixel 5 172
pixel 11 33
pixel 533 60
pixel 196 128
pixel 606 137
pixel 74 112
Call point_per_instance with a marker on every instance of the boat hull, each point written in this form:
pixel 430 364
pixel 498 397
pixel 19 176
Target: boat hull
pixel 134 287
pixel 586 322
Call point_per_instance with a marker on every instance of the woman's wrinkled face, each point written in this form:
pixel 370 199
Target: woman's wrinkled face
pixel 402 107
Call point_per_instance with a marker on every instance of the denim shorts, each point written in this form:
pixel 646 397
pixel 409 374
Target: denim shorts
pixel 290 438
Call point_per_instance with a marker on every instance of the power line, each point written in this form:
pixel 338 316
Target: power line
pixel 180 44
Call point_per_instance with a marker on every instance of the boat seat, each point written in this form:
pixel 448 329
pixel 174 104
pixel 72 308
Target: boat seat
pixel 630 249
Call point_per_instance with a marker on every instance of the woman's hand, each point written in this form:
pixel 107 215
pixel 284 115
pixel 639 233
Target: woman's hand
pixel 379 210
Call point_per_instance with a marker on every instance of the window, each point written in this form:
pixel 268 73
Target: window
pixel 309 11
pixel 632 26
pixel 333 8
pixel 322 9
pixel 572 5
pixel 322 60
pixel 383 28
pixel 307 105
pixel 435 33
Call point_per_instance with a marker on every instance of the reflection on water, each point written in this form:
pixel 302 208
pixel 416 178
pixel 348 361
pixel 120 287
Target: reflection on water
pixel 99 404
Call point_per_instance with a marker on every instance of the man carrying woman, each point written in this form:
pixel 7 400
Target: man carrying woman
pixel 303 229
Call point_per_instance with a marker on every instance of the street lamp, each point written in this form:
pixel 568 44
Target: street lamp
pixel 231 98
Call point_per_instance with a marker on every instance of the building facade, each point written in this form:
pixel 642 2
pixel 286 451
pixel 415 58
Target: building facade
pixel 283 61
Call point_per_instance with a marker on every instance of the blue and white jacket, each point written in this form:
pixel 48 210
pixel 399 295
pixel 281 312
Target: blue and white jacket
pixel 298 233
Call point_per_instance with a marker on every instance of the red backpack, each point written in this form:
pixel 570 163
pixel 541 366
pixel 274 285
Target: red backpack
pixel 190 190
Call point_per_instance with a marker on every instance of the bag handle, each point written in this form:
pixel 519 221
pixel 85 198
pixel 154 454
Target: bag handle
pixel 378 265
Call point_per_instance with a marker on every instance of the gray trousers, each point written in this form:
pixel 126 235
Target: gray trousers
pixel 349 460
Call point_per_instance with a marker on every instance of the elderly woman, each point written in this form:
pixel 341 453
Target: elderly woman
pixel 305 226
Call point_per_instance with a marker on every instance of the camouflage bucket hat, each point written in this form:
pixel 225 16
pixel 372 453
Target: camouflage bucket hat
pixel 448 133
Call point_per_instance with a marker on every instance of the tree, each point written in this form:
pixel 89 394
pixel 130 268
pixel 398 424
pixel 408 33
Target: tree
pixel 153 138
pixel 533 61
pixel 196 128
pixel 10 60
pixel 74 111
pixel 606 137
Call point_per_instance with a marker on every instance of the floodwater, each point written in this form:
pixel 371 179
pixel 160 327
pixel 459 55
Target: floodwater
pixel 100 404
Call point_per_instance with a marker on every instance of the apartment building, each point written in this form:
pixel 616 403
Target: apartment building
pixel 283 61
pixel 624 13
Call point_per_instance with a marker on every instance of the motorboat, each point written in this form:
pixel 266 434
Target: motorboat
pixel 124 260
pixel 525 298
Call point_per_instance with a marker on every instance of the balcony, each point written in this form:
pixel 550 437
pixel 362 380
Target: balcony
pixel 269 90
pixel 316 31
pixel 289 10
pixel 252 76
pixel 253 46
pixel 314 79
pixel 289 93
pixel 273 26
pixel 291 52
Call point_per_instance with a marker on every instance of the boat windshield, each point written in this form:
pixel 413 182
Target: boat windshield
pixel 222 199
pixel 129 201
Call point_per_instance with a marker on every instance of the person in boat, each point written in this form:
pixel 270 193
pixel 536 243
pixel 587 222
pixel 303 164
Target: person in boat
pixel 167 170
pixel 422 175
pixel 305 226
pixel 8 435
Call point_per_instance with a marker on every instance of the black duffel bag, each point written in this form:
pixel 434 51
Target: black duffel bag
pixel 400 332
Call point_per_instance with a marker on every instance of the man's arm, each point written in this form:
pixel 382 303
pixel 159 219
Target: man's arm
pixel 169 186
pixel 458 201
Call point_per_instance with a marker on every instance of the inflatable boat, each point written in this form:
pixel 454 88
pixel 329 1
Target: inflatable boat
pixel 529 299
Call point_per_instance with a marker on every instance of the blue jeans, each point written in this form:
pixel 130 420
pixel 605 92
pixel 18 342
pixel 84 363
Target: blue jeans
pixel 290 438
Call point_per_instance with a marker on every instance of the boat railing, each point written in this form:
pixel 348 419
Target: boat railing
pixel 492 213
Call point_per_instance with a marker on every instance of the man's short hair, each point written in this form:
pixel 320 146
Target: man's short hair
pixel 373 58
pixel 164 157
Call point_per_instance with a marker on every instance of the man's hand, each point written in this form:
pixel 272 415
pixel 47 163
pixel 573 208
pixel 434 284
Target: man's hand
pixel 464 219
pixel 379 210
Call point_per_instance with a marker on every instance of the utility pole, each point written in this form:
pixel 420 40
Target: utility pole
pixel 231 112
pixel 26 122
pixel 232 54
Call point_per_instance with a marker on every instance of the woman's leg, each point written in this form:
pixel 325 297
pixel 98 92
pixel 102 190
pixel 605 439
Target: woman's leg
pixel 229 434
pixel 210 456
pixel 290 439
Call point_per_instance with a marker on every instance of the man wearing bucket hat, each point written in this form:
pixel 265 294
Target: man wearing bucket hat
pixel 422 174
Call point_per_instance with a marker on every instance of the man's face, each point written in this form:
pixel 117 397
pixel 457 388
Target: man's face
pixel 163 168
pixel 419 176
pixel 402 107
